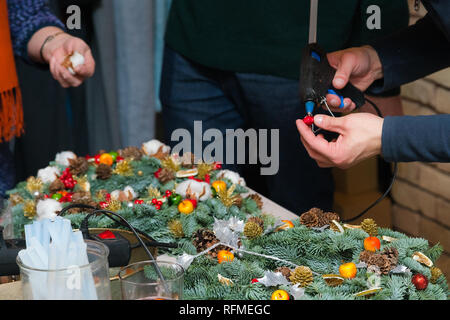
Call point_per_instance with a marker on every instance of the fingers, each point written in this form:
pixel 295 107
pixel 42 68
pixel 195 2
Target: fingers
pixel 87 69
pixel 330 123
pixel 61 74
pixel 346 65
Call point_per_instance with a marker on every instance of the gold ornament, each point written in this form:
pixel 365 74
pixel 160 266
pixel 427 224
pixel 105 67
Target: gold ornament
pixel 226 196
pixel 29 209
pixel 83 183
pixel 154 193
pixel 34 185
pixel 170 163
pixel 302 276
pixel 436 273
pixel 369 226
pixel 124 168
pixel 15 199
pixel 204 169
pixel 114 205
pixel 252 230
pixel 140 173
pixel 176 228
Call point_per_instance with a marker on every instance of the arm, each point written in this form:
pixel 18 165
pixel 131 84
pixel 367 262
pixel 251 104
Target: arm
pixel 31 23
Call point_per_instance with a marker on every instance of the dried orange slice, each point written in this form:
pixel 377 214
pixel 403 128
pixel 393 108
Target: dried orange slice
pixel 333 280
pixel 351 226
pixel 420 257
pixel 224 280
pixel 187 173
pixel 369 292
pixel 388 239
pixel 336 226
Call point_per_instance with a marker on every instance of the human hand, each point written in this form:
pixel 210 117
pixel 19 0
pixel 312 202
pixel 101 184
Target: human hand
pixel 361 66
pixel 359 139
pixel 56 51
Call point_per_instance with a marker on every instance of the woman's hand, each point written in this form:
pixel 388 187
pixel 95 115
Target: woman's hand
pixel 55 52
pixel 361 66
pixel 359 139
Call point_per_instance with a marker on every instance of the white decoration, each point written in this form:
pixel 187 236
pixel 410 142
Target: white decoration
pixel 152 147
pixel 272 279
pixel 47 209
pixel 48 175
pixel 115 195
pixel 62 158
pixel 185 260
pixel 400 269
pixel 200 190
pixel 130 191
pixel 234 177
pixel 76 59
pixel 223 232
pixel 297 292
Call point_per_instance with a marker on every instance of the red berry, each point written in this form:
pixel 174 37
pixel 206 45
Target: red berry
pixel 218 166
pixel 193 201
pixel 159 203
pixel 156 174
pixel 308 120
pixel 255 280
pixel 155 201
pixel 119 158
pixel 168 193
pixel 158 207
pixel 207 178
pixel 108 197
pixel 138 201
pixel 97 159
pixel 420 281
pixel 103 204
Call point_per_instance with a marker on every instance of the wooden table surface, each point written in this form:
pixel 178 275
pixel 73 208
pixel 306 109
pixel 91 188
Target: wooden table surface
pixel 13 291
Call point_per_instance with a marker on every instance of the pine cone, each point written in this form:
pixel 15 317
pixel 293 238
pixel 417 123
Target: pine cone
pixel 365 256
pixel 166 175
pixel 381 261
pixel 56 186
pixel 369 226
pixel 131 152
pixel 302 276
pixel 203 239
pixel 436 273
pixel 311 218
pixel 238 201
pixel 329 216
pixel 257 220
pixel 285 271
pixel 103 171
pixel 391 254
pixel 252 230
pixel 78 166
pixel 257 198
pixel 83 198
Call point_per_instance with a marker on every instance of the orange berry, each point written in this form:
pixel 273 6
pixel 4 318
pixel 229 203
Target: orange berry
pixel 280 295
pixel 107 159
pixel 372 244
pixel 348 270
pixel 225 256
pixel 186 207
pixel 219 185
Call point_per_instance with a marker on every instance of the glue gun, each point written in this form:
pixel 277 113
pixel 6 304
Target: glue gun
pixel 316 76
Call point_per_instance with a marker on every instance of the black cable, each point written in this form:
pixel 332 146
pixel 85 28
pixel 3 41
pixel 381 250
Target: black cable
pixel 394 176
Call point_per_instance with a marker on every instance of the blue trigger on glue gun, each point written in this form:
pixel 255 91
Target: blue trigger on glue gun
pixel 330 91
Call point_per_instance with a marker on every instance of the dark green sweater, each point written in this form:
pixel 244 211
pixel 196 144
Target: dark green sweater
pixel 267 36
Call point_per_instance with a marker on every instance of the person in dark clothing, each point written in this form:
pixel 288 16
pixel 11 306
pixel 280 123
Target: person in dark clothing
pixel 400 58
pixel 235 64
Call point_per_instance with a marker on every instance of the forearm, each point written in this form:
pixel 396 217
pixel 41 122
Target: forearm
pixel 419 138
pixel 36 42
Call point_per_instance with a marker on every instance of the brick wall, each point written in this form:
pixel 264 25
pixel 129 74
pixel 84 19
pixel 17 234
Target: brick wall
pixel 421 196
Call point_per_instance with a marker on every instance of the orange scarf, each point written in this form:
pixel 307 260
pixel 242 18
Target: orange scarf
pixel 11 112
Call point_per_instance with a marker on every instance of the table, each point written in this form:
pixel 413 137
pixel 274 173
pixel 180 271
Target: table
pixel 13 291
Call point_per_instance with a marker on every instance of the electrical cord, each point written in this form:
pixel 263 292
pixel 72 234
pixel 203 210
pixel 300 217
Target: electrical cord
pixel 394 176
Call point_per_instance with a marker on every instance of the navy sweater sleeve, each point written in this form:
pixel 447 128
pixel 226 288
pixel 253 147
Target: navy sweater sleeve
pixel 410 54
pixel 418 138
pixel 25 18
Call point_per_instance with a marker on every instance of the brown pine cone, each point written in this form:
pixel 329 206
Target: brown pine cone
pixel 391 254
pixel 78 166
pixel 238 201
pixel 311 218
pixel 329 216
pixel 257 220
pixel 365 256
pixel 166 175
pixel 56 186
pixel 285 271
pixel 103 171
pixel 257 198
pixel 203 239
pixel 131 152
pixel 382 262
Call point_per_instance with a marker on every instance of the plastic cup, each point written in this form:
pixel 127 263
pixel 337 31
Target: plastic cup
pixel 86 282
pixel 140 281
